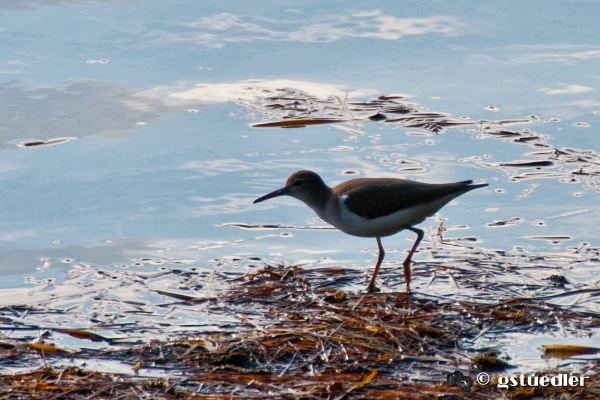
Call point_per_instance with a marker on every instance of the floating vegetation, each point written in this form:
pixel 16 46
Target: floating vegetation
pixel 297 123
pixel 490 362
pixel 567 351
pixel 278 226
pixel 567 165
pixel 292 108
pixel 285 331
pixel 506 222
pixel 555 239
pixel 49 142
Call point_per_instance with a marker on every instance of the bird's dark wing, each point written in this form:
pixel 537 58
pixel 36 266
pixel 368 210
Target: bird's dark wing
pixel 374 198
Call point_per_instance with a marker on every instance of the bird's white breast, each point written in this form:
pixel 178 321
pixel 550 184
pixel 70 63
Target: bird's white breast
pixel 346 221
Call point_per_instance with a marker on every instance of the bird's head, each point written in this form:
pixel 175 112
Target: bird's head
pixel 306 186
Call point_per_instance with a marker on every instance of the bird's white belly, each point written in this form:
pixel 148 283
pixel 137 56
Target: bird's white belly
pixel 352 224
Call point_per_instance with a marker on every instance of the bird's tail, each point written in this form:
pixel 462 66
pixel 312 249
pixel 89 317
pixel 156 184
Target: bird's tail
pixel 470 186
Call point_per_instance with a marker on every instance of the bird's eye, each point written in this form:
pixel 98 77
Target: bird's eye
pixel 298 182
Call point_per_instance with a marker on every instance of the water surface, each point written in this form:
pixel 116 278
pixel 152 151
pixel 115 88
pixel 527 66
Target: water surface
pixel 130 135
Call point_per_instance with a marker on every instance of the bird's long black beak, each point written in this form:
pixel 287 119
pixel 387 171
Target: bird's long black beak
pixel 277 193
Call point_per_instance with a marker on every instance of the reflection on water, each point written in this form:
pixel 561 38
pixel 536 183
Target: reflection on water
pixel 63 257
pixel 76 109
pixel 223 28
pixel 250 90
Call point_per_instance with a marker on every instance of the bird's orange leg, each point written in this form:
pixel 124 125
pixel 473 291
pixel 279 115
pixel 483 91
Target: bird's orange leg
pixel 371 288
pixel 407 272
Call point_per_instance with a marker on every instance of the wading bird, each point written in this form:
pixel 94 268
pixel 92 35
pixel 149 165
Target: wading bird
pixel 373 207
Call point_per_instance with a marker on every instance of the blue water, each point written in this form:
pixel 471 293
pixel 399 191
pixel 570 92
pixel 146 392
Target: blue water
pixel 158 165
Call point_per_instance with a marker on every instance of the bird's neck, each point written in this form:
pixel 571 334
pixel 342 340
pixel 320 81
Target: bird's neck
pixel 319 200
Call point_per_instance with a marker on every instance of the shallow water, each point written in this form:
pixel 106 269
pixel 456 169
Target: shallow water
pixel 131 136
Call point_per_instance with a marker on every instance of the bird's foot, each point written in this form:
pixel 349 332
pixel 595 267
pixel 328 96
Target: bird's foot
pixel 372 289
